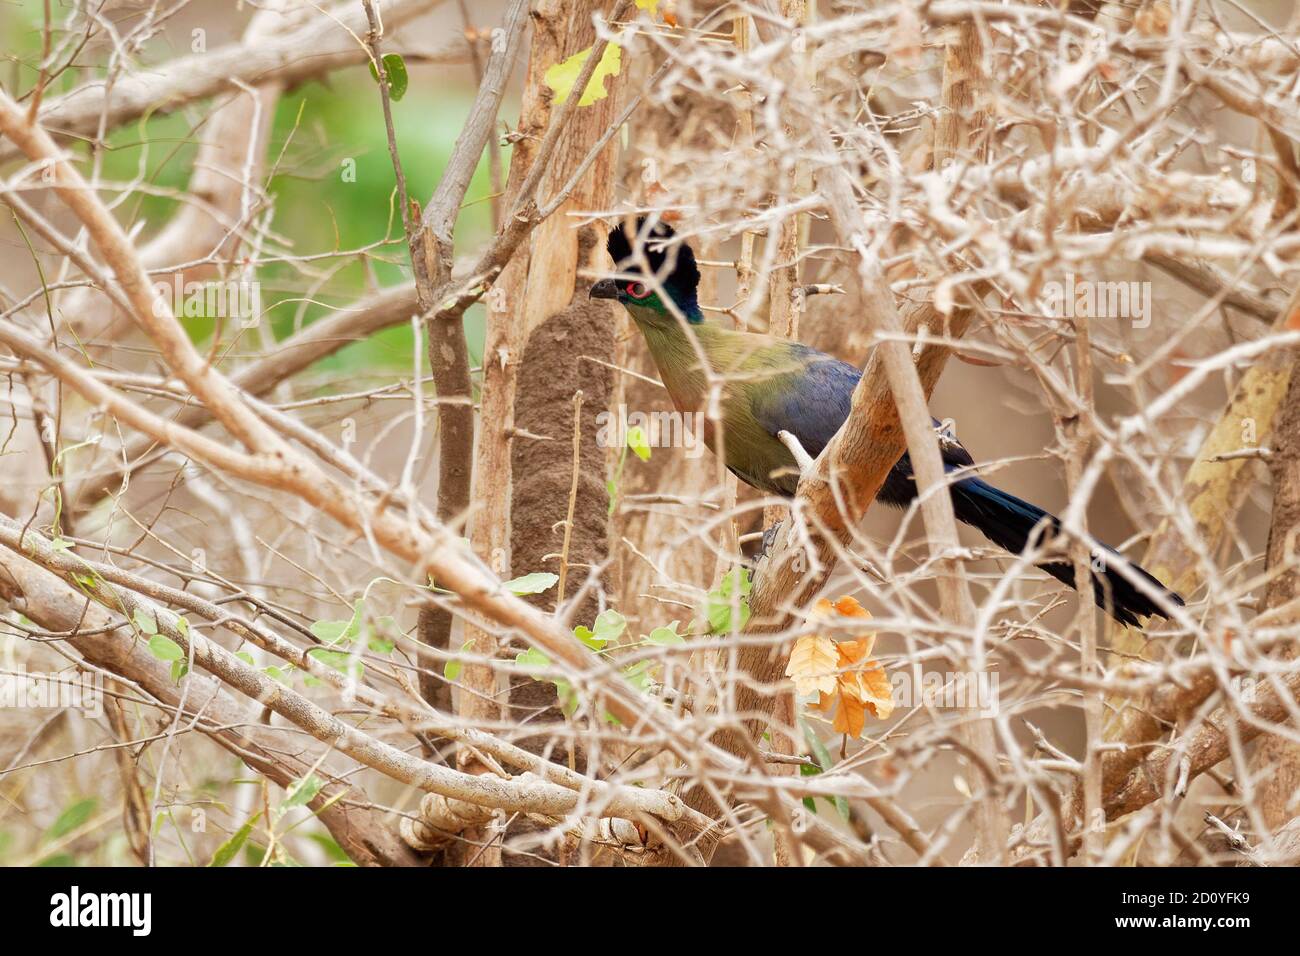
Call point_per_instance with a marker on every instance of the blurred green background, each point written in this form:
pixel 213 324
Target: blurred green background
pixel 317 127
pixel 318 211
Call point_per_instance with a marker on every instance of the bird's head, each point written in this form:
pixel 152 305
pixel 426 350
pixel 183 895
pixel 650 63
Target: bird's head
pixel 672 275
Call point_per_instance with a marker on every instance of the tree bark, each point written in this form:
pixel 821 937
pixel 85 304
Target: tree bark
pixel 1276 761
pixel 557 333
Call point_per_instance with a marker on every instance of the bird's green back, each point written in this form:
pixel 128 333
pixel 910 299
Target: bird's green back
pixel 752 371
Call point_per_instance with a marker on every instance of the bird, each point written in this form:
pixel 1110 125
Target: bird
pixel 774 385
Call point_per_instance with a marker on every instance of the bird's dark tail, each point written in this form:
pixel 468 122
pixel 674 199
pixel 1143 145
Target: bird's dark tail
pixel 1009 522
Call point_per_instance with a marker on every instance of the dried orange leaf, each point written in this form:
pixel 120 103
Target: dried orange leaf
pixel 849 607
pixel 854 652
pixel 850 716
pixel 813 664
pixel 859 685
pixel 876 692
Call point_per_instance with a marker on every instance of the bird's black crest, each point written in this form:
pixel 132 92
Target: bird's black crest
pixel 662 256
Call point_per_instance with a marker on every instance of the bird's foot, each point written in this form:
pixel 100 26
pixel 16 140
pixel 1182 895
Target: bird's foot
pixel 769 539
pixel 764 546
pixel 947 432
pixel 801 456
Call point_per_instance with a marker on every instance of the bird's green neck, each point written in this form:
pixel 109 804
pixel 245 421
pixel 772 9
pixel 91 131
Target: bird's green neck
pixel 675 354
pixel 654 311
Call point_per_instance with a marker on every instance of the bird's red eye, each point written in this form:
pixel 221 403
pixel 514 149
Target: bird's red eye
pixel 638 290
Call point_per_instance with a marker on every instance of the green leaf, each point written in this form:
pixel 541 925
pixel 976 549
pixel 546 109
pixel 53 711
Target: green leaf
pixel 568 697
pixel 638 442
pixel 277 674
pixel 376 641
pixel 732 577
pixel 825 762
pixel 666 636
pixel 563 75
pixel 61 544
pixel 638 675
pixel 230 849
pixel 534 583
pixel 73 816
pixel 720 616
pixel 165 649
pixel 398 80
pixel 451 670
pixel 301 792
pixel 330 632
pixel 820 753
pixel 339 660
pixel 610 625
pixel 332 850
pixel 145 622
pixel 718 607
pixel 247 658
pixel 179 670
pixel 533 659
pixel 807 770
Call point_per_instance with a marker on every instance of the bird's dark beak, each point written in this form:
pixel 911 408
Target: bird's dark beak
pixel 604 289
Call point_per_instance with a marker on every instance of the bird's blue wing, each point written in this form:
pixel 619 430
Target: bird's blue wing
pixel 810 402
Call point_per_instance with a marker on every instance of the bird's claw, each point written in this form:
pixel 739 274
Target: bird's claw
pixel 947 432
pixel 801 456
pixel 764 546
